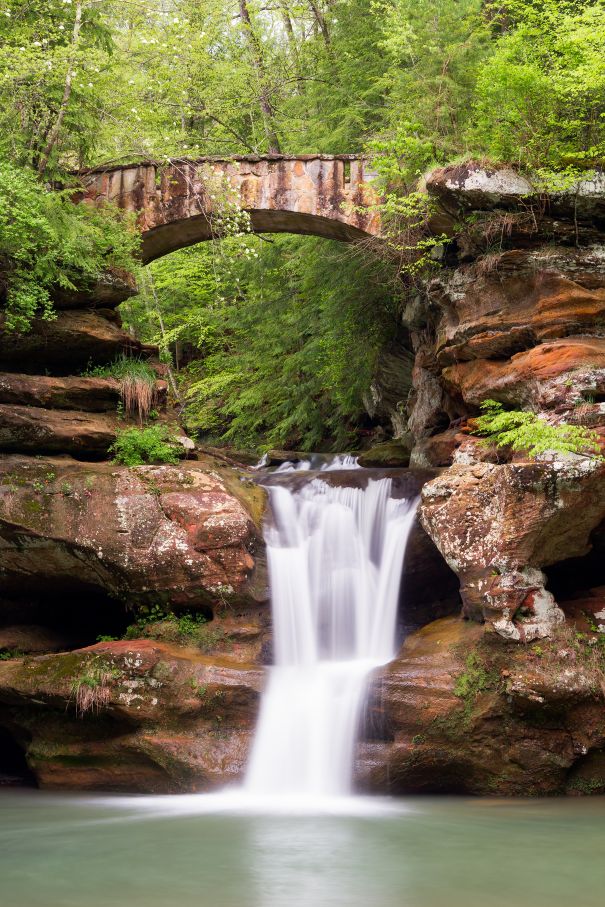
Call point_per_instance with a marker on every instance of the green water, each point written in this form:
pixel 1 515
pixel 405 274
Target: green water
pixel 77 851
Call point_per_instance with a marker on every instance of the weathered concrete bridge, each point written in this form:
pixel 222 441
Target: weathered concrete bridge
pixel 187 201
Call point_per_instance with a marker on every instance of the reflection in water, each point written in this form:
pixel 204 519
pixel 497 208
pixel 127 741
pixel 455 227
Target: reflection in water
pixel 314 855
pixel 62 851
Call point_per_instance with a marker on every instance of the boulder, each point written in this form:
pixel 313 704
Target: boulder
pixel 131 716
pixel 389 454
pixel 438 450
pixel 35 430
pixel 64 345
pixel 473 186
pixel 460 188
pixel 141 535
pixel 498 526
pixel 458 712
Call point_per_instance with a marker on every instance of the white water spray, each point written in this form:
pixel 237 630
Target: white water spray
pixel 335 561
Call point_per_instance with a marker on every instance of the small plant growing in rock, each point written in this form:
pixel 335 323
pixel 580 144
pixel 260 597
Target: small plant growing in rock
pixel 149 614
pixel 200 689
pixel 140 446
pixel 91 691
pixel 9 654
pixel 525 431
pixel 66 489
pixel 137 384
pixel 185 629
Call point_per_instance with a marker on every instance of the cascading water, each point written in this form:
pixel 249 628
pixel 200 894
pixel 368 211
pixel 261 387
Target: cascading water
pixel 335 560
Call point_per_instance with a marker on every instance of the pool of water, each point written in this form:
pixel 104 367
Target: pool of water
pixel 60 850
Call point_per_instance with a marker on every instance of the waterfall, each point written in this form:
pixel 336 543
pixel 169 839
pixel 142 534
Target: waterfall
pixel 335 559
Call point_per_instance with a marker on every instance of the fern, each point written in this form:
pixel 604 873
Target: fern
pixel 525 431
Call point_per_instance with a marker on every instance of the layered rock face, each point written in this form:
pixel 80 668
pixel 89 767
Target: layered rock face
pixel 169 556
pixel 514 315
pixel 459 712
pixel 85 550
pixel 132 716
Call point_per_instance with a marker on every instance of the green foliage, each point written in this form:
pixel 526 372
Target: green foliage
pixel 47 242
pixel 9 654
pixel 474 679
pixel 148 614
pixel 478 677
pixel 286 336
pixel 185 629
pixel 433 53
pixel 138 446
pixel 124 367
pixel 525 431
pixel 137 385
pixel 540 95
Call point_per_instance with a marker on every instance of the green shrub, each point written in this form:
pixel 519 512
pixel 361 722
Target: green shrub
pixel 185 629
pixel 46 241
pixel 525 431
pixel 138 446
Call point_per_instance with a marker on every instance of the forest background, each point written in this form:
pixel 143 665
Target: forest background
pixel 282 334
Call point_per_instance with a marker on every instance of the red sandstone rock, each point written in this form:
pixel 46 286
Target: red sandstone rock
pixel 552 374
pixel 457 712
pixel 527 299
pixel 159 719
pixel 89 394
pixel 106 526
pixel 497 526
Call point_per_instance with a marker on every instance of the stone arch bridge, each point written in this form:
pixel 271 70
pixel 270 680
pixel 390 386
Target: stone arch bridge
pixel 184 202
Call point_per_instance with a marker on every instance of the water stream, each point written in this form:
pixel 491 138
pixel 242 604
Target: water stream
pixel 335 558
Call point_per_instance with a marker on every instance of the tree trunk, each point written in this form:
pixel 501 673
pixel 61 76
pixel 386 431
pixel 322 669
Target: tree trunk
pixel 55 131
pixel 320 20
pixel 259 65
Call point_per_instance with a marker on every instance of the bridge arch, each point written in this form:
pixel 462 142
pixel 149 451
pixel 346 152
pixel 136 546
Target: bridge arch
pixel 180 203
